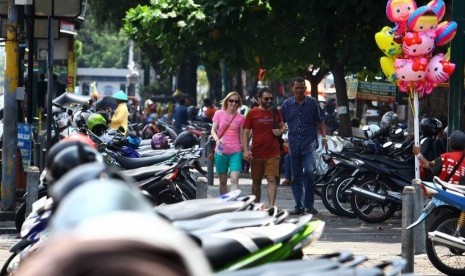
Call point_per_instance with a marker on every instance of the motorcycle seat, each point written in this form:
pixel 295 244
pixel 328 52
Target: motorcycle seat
pixel 226 221
pixel 449 186
pixel 147 171
pixel 391 163
pixel 199 208
pixel 227 247
pixel 133 163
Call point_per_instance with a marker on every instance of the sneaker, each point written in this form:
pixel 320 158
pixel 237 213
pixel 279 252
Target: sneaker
pixel 297 212
pixel 312 211
pixel 286 182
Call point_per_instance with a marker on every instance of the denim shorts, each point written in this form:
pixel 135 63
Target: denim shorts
pixel 233 162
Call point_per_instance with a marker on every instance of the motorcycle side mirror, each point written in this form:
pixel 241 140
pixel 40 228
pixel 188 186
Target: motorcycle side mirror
pixel 387 144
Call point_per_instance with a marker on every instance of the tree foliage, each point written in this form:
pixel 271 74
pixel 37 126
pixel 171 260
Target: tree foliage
pixel 103 48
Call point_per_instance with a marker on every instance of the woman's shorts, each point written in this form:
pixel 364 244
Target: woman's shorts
pixel 223 162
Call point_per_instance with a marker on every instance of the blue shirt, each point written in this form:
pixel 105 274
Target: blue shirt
pixel 180 116
pixel 301 121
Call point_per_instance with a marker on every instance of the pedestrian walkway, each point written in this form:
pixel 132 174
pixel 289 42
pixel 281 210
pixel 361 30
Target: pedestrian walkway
pixel 376 241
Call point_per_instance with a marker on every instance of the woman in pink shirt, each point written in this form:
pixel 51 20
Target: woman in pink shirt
pixel 227 132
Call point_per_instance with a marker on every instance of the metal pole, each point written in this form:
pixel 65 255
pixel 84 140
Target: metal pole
pixel 33 175
pixel 420 232
pixel 50 83
pixel 10 114
pixel 457 56
pixel 407 239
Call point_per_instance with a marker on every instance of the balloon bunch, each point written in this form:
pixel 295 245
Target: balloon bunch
pixel 409 45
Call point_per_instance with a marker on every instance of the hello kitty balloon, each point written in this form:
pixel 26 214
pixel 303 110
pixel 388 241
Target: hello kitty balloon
pixel 418 43
pixel 410 70
pixel 439 69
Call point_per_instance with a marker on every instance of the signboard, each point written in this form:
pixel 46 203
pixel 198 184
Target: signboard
pixel 377 91
pixel 24 143
pixel 352 89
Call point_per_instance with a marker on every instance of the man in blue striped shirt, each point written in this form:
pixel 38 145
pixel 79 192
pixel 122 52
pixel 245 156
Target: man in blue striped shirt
pixel 304 118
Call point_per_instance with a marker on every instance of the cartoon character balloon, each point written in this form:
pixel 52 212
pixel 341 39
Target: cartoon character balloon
pixel 385 41
pixel 418 44
pixel 418 30
pixel 398 11
pixel 439 69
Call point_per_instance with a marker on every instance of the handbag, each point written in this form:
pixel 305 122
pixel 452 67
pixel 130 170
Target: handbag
pixel 275 125
pixel 211 155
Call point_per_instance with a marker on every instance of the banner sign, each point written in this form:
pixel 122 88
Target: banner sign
pixel 376 91
pixel 24 143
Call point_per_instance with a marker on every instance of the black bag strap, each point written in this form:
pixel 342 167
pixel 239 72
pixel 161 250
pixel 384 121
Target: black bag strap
pixel 275 123
pixel 455 167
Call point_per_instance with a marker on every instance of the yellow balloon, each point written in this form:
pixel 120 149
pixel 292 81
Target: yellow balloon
pixel 385 41
pixel 387 65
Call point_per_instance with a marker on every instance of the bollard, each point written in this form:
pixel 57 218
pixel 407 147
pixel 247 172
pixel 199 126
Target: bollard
pixel 36 155
pixel 210 163
pixel 32 187
pixel 407 239
pixel 203 141
pixel 420 232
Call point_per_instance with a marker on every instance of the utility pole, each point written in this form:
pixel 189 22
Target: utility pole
pixel 457 56
pixel 10 114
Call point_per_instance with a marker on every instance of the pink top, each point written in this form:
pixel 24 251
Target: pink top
pixel 232 137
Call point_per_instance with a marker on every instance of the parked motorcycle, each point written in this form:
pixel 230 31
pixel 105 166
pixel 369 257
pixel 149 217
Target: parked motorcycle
pixel 445 243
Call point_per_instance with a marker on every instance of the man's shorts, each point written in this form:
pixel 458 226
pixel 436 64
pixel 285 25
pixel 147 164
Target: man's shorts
pixel 266 166
pixel 223 162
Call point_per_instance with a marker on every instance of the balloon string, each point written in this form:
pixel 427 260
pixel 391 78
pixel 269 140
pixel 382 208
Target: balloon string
pixel 410 100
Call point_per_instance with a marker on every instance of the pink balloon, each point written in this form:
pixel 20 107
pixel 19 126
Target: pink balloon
pixel 410 69
pixel 418 43
pixel 445 32
pixel 439 69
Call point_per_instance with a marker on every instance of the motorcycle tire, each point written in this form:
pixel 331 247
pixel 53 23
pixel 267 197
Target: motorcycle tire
pixel 369 210
pixel 321 180
pixel 186 188
pixel 341 201
pixel 20 216
pixel 326 197
pixel 4 271
pixel 448 261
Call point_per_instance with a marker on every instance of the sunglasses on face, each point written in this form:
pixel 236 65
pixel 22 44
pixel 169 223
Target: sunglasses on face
pixel 267 99
pixel 233 101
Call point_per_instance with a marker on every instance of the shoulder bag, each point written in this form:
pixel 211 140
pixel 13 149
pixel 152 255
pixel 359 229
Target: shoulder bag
pixel 275 125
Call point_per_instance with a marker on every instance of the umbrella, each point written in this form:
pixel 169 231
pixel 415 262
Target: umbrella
pixel 105 103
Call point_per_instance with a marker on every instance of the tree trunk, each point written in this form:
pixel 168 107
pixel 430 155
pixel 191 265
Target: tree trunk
pixel 187 78
pixel 214 82
pixel 345 127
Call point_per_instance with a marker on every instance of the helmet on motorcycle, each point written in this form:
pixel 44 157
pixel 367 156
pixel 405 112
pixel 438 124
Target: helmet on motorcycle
pixel 371 130
pixel 389 120
pixel 457 140
pixel 430 127
pixel 159 141
pixel 121 96
pixel 133 141
pixel 81 174
pixel 66 155
pixel 81 118
pixel 79 137
pixel 185 140
pixel 97 124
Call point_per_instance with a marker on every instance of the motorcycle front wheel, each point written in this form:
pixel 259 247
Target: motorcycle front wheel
pixel 370 210
pixel 449 261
